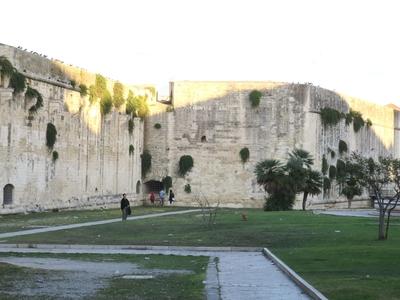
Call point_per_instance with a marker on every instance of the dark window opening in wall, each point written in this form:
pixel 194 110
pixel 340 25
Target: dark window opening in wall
pixel 8 194
pixel 138 184
pixel 153 186
pixel 203 139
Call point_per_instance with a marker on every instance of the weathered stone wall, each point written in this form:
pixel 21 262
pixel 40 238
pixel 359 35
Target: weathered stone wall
pixel 94 165
pixel 286 118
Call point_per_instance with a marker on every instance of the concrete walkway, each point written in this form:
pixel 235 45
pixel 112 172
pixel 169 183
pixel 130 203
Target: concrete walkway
pixel 71 226
pixel 231 275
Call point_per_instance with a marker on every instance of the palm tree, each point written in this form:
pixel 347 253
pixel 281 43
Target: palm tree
pixel 303 156
pixel 269 173
pixel 312 185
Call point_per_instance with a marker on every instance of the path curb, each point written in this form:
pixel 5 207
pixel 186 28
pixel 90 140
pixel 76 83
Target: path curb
pixel 300 282
pixel 128 247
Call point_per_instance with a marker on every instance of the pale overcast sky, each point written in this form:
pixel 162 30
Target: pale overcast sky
pixel 348 46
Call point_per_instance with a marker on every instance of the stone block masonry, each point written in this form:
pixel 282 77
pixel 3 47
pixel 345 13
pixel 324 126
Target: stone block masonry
pixel 94 166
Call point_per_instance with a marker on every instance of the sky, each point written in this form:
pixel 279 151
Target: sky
pixel 351 46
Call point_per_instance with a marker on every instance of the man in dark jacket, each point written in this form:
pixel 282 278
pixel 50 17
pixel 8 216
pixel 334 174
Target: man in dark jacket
pixel 124 207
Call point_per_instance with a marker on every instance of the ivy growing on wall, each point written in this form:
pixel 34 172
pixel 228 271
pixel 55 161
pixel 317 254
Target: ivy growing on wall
pixel 136 105
pixel 73 83
pixel 342 147
pixel 330 116
pixel 106 103
pixel 167 182
pixel 33 93
pixel 244 154
pixel 157 126
pixel 130 126
pixel 185 164
pixel 146 162
pixel 332 172
pixel 326 184
pixel 18 82
pixel 368 123
pixel 325 166
pixel 131 149
pixel 254 98
pixel 340 169
pixel 54 156
pixel 51 136
pixel 118 94
pixel 83 89
pixel 6 68
pixel 358 121
pixel 188 188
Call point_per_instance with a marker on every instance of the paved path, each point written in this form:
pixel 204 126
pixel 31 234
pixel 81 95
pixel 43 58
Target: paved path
pixel 62 227
pixel 233 275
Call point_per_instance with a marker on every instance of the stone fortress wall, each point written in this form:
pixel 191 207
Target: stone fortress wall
pixel 213 121
pixel 94 166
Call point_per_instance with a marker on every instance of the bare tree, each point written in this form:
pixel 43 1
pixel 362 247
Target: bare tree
pixel 208 211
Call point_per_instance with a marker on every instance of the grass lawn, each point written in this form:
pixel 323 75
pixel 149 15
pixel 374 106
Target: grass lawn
pixel 10 223
pixel 340 256
pixel 172 286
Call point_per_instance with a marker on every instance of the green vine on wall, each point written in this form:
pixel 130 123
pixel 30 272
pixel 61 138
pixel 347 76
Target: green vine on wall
pixel 185 164
pixel 146 162
pixel 106 103
pixel 340 169
pixel 130 126
pixel 131 149
pixel 188 188
pixel 18 82
pixel 83 89
pixel 254 98
pixel 157 126
pixel 32 93
pixel 244 154
pixel 330 116
pixel 342 147
pixel 332 172
pixel 51 136
pixel 6 67
pixel 118 94
pixel 54 156
pixel 325 166
pixel 326 184
pixel 167 182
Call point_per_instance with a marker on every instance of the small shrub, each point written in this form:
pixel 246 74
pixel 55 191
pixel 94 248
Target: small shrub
pixel 283 199
pixel 51 136
pixel 130 126
pixel 254 98
pixel 83 89
pixel 185 164
pixel 330 116
pixel 131 149
pixel 368 123
pixel 332 172
pixel 188 188
pixel 73 83
pixel 18 82
pixel 358 121
pixel 167 182
pixel 146 162
pixel 157 126
pixel 106 103
pixel 342 146
pixel 54 156
pixel 325 166
pixel 244 154
pixel 326 184
pixel 349 119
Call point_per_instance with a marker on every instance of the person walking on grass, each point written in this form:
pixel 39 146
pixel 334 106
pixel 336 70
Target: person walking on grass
pixel 171 197
pixel 125 207
pixel 162 196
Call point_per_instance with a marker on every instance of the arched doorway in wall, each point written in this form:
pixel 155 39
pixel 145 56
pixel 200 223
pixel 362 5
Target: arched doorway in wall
pixel 138 185
pixel 8 192
pixel 153 186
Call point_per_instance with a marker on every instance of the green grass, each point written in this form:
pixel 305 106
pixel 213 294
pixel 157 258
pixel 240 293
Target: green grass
pixel 17 222
pixel 340 256
pixel 161 287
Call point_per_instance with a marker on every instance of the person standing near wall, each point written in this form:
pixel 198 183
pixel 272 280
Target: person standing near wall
pixel 125 207
pixel 162 196
pixel 171 197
